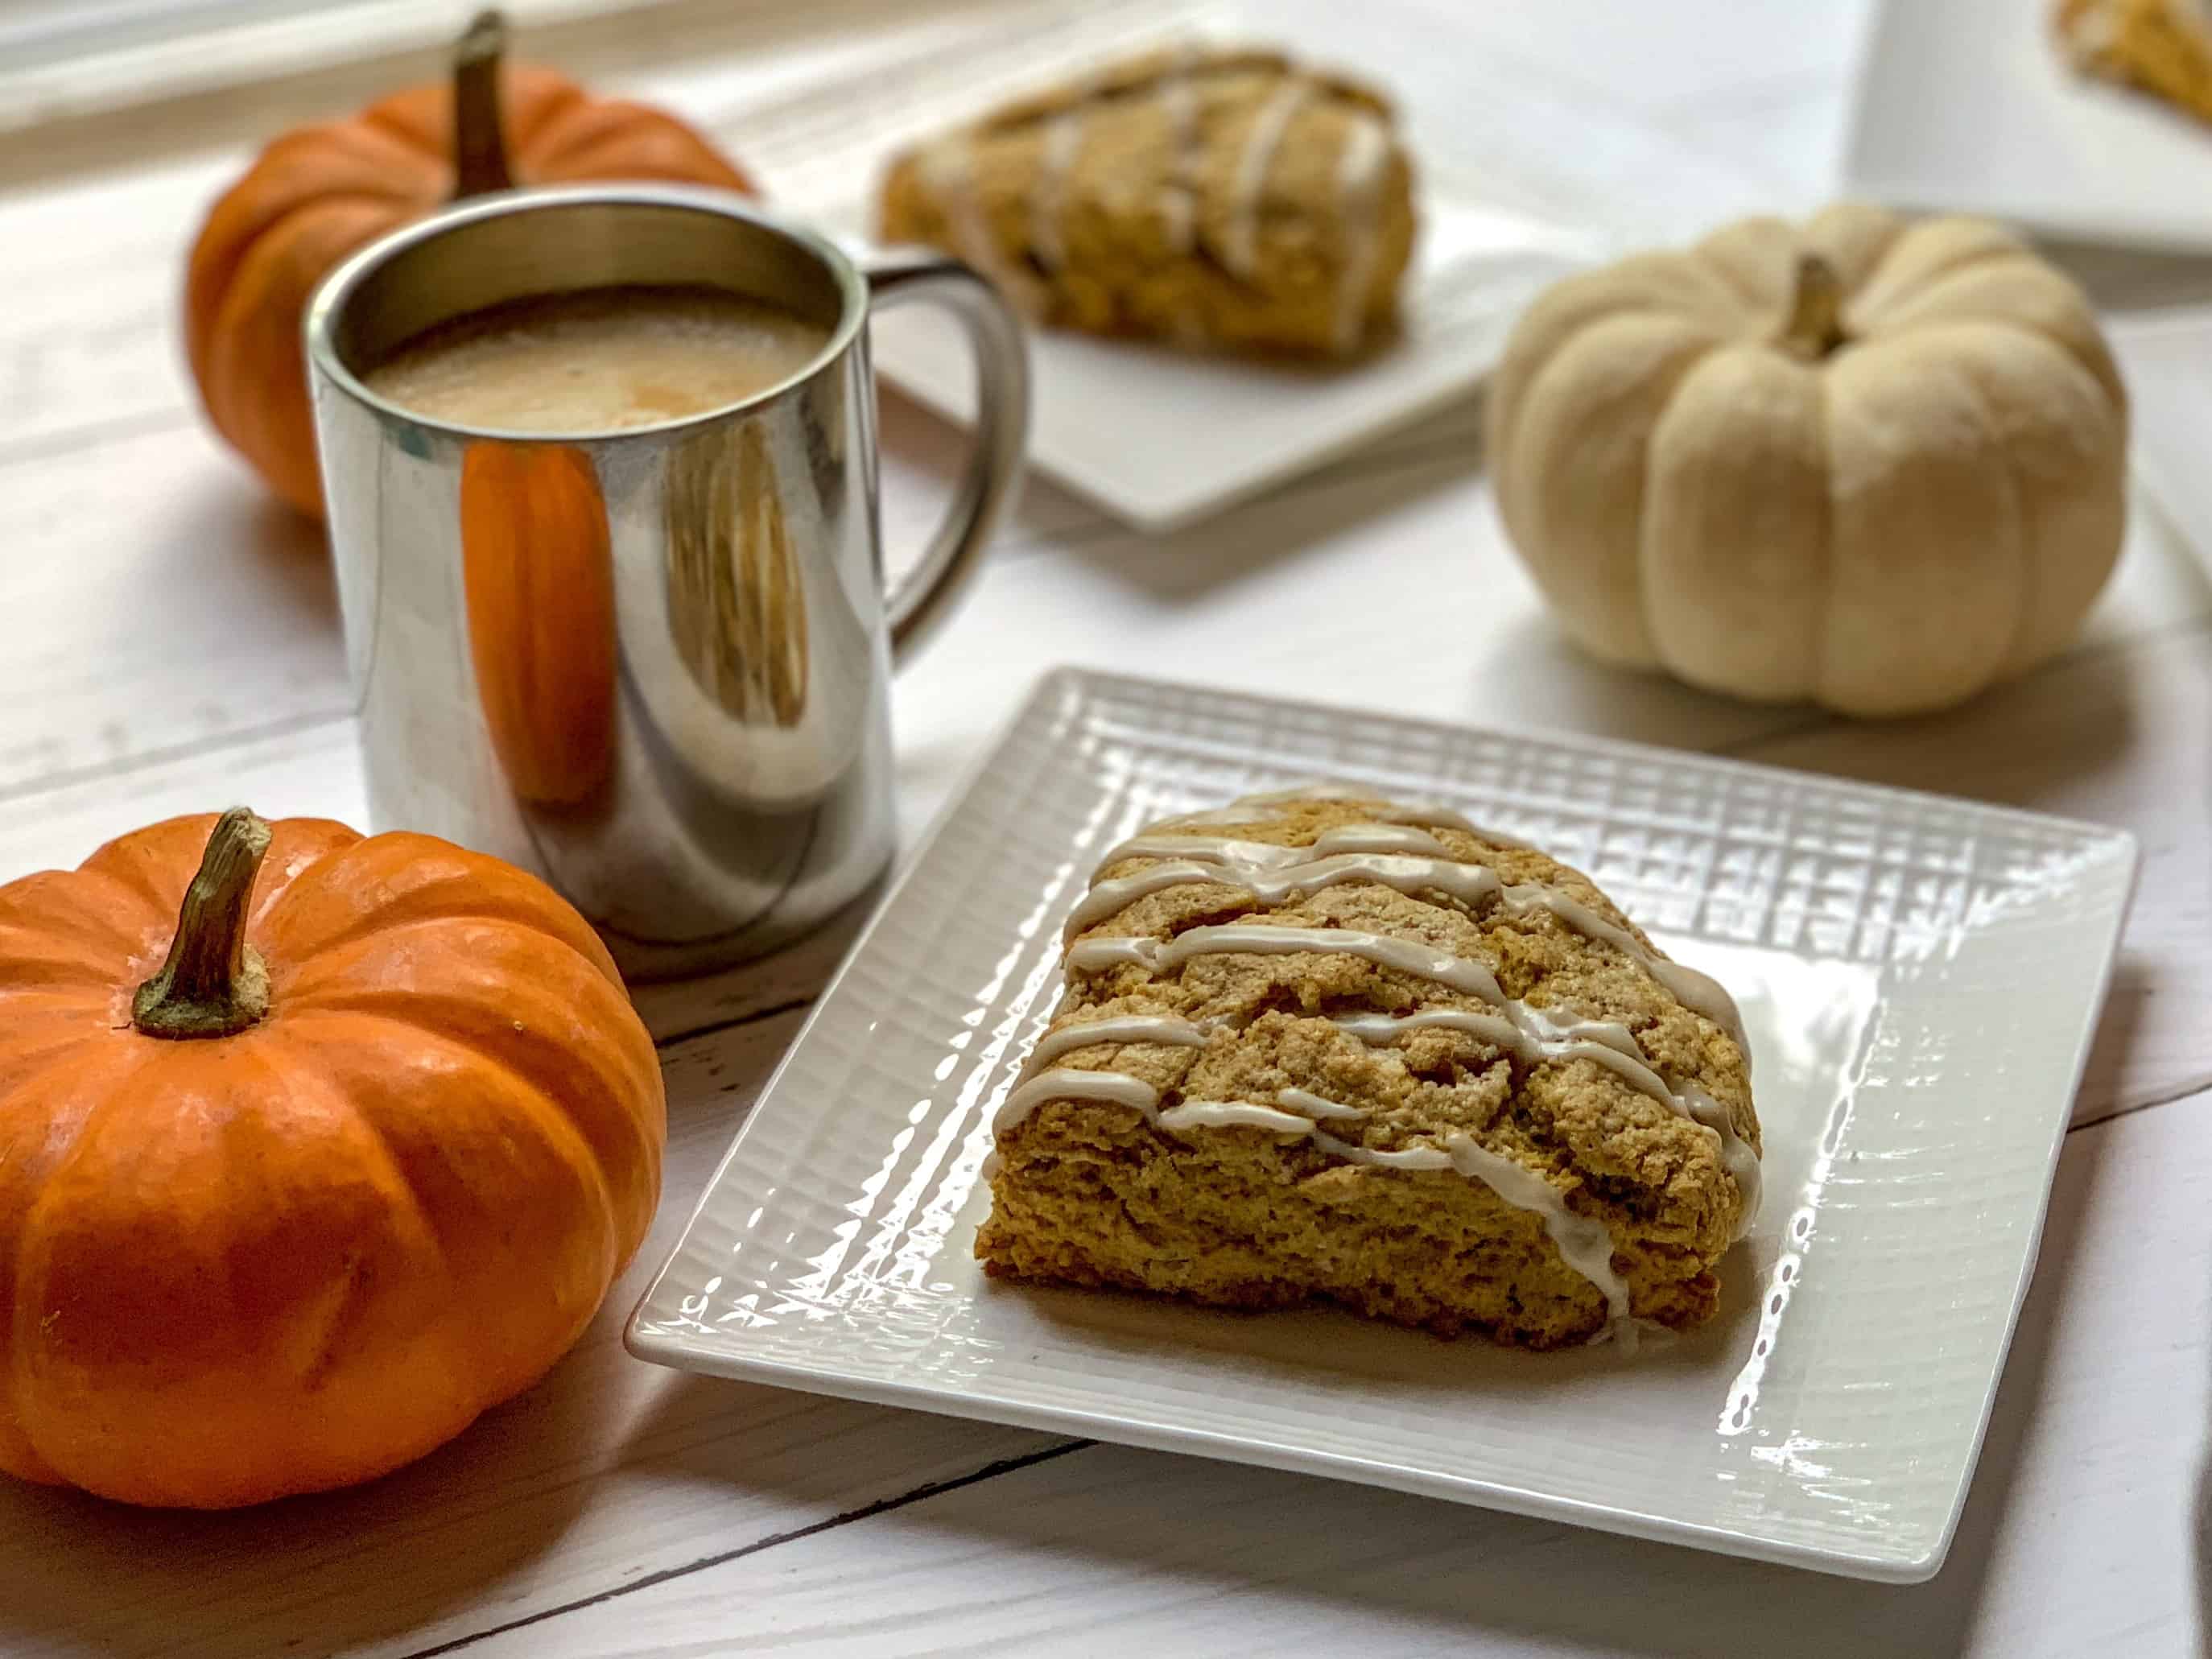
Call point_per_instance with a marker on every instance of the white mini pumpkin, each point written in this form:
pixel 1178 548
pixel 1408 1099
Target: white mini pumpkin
pixel 1875 464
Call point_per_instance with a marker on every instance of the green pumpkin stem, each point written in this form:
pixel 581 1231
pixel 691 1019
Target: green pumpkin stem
pixel 1815 325
pixel 214 982
pixel 479 134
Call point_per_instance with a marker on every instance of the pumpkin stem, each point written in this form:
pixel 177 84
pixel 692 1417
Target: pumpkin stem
pixel 1815 326
pixel 214 982
pixel 479 134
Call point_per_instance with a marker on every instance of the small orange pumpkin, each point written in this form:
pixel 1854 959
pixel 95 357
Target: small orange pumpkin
pixel 535 571
pixel 319 192
pixel 306 1158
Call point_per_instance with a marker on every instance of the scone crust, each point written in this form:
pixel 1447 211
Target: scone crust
pixel 1221 198
pixel 1092 1193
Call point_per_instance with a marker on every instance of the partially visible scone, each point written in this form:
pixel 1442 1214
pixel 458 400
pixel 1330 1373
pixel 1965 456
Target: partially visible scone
pixel 1319 1046
pixel 1214 198
pixel 2163 47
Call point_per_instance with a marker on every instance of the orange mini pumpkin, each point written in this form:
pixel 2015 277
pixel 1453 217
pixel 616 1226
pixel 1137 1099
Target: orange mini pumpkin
pixel 319 192
pixel 540 581
pixel 306 1159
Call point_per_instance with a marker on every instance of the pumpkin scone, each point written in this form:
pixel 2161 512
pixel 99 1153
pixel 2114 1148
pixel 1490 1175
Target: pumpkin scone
pixel 1224 198
pixel 2163 47
pixel 1318 1046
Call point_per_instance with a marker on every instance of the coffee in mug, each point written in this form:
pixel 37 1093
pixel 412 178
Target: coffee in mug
pixel 598 360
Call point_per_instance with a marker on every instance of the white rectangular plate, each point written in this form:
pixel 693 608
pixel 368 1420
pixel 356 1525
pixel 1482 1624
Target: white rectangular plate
pixel 1516 189
pixel 1967 106
pixel 1160 437
pixel 1920 978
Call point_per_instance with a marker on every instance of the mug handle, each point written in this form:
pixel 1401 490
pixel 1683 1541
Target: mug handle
pixel 925 595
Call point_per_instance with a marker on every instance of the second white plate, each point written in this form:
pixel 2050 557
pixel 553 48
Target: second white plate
pixel 1159 437
pixel 1920 978
pixel 1517 186
pixel 1967 106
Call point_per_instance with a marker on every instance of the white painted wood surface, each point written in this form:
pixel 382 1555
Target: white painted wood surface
pixel 173 645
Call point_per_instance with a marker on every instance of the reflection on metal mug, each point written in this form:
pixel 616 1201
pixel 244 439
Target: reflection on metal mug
pixel 651 665
pixel 734 591
pixel 537 586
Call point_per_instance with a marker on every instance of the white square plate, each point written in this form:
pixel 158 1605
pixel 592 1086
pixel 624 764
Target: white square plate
pixel 1920 978
pixel 1515 190
pixel 1967 106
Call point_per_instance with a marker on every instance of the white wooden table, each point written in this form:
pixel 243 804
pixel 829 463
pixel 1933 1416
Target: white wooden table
pixel 170 644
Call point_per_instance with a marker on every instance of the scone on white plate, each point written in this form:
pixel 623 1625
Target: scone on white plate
pixel 1325 1047
pixel 1215 199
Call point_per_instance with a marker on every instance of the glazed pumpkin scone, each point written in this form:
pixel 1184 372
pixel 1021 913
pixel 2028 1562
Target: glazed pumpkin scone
pixel 2163 47
pixel 1211 198
pixel 1319 1046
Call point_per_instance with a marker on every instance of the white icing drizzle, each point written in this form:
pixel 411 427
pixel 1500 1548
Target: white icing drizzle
pixel 1378 838
pixel 1575 1041
pixel 1119 1089
pixel 1700 993
pixel 1737 1155
pixel 1111 1088
pixel 1110 897
pixel 1583 1242
pixel 948 173
pixel 1122 1028
pixel 1179 196
pixel 947 169
pixel 1533 1033
pixel 1312 1105
pixel 1443 817
pixel 1501 1031
pixel 1214 849
pixel 1227 1114
pixel 1218 815
pixel 1406 956
pixel 1240 241
pixel 1063 138
pixel 1095 955
pixel 1360 172
pixel 1267 874
pixel 1468 883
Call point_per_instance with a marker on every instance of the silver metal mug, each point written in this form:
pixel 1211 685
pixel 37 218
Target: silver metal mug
pixel 651 665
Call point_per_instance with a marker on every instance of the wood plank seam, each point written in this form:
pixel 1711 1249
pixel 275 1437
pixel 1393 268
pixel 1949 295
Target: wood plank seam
pixel 715 1028
pixel 867 1512
pixel 62 441
pixel 125 765
pixel 2199 1087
